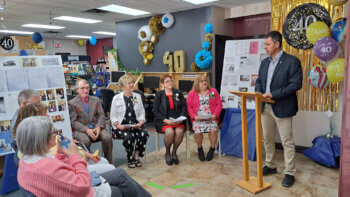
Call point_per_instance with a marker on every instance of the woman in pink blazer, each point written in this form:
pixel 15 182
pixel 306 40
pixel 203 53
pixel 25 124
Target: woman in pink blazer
pixel 204 107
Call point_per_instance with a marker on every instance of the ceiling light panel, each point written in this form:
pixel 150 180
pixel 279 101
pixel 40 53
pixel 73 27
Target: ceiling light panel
pixel 123 10
pixel 78 36
pixel 197 2
pixel 77 19
pixel 43 26
pixel 15 32
pixel 104 33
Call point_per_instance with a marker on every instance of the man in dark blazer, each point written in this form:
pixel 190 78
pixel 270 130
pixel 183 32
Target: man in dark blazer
pixel 280 77
pixel 88 119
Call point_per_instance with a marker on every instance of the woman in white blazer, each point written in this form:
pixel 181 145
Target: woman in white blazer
pixel 127 119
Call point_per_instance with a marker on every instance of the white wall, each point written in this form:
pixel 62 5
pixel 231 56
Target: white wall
pixel 67 46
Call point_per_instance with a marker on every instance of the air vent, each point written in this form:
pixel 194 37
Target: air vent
pixel 52 32
pixel 96 11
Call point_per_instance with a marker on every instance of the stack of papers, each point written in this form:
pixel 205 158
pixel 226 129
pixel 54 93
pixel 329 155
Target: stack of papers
pixel 181 118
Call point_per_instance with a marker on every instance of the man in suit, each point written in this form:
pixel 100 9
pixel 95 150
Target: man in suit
pixel 88 119
pixel 280 77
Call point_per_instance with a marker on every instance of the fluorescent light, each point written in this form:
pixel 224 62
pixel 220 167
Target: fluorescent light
pixel 123 10
pixel 15 32
pixel 43 26
pixel 77 19
pixel 197 2
pixel 78 36
pixel 104 33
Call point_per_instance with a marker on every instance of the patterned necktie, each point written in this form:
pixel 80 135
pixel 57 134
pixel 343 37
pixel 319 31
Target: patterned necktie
pixel 86 106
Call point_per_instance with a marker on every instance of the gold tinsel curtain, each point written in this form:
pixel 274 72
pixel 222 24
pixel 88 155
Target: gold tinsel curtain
pixel 309 97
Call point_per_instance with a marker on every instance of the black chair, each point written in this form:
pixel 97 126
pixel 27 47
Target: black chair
pixel 107 97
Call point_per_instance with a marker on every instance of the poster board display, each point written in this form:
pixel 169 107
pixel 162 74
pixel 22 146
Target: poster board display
pixel 240 70
pixel 42 73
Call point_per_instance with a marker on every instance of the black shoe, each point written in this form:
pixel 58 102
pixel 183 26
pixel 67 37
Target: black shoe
pixel 131 164
pixel 201 154
pixel 168 160
pixel 267 170
pixel 175 159
pixel 288 180
pixel 210 154
pixel 137 163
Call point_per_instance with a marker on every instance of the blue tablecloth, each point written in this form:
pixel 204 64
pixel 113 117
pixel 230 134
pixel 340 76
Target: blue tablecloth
pixel 231 133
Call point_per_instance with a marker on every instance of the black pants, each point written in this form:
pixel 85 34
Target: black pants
pixel 123 185
pixel 133 140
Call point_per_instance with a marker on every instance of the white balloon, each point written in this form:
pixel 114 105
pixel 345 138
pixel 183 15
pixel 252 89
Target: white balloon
pixel 167 20
pixel 147 31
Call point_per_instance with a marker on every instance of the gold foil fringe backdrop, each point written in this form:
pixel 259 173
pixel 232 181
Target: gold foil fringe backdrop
pixel 309 97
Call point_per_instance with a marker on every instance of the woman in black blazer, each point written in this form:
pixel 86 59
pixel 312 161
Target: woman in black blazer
pixel 169 103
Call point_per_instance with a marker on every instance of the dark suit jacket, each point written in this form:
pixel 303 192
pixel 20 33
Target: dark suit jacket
pixel 286 80
pixel 160 108
pixel 79 117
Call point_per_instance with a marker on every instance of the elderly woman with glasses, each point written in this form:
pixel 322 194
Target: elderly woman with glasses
pixel 95 163
pixel 127 119
pixel 169 103
pixel 204 107
pixel 65 173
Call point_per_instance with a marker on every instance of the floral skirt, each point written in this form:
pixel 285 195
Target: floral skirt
pixel 204 126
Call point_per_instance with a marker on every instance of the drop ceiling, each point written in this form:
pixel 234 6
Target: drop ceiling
pixel 21 12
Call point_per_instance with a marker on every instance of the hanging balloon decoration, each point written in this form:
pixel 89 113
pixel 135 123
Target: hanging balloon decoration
pixel 338 29
pixel 37 37
pixel 318 77
pixel 300 19
pixel 81 42
pixel 335 70
pixel 93 40
pixel 317 30
pixel 325 48
pixel 204 58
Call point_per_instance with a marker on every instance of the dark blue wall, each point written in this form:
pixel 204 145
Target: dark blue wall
pixel 187 34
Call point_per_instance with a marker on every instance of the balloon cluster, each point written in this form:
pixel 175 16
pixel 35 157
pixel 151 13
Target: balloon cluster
pixel 327 47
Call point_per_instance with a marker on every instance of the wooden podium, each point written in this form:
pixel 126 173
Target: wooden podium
pixel 252 184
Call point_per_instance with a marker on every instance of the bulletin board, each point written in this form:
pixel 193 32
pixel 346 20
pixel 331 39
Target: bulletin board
pixel 42 73
pixel 240 70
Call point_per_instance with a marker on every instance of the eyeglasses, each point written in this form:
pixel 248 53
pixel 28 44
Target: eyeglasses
pixel 56 132
pixel 170 81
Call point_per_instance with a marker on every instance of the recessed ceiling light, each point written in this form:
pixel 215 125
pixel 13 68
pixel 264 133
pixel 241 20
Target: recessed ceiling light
pixel 197 2
pixel 104 33
pixel 15 32
pixel 43 26
pixel 78 36
pixel 77 19
pixel 123 10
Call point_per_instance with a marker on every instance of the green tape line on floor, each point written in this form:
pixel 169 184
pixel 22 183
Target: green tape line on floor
pixel 154 185
pixel 181 186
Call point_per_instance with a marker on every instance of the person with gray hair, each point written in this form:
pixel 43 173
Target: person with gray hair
pixel 64 174
pixel 25 97
pixel 88 119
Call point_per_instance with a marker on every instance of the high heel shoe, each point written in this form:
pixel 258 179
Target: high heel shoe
pixel 175 159
pixel 168 160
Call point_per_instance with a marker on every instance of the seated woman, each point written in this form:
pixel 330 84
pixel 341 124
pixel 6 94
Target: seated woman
pixel 98 164
pixel 169 103
pixel 128 118
pixel 65 174
pixel 204 107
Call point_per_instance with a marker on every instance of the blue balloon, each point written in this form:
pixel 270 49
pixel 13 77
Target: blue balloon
pixel 37 37
pixel 93 40
pixel 23 53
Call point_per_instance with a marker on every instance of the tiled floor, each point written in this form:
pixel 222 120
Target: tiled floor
pixel 218 177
